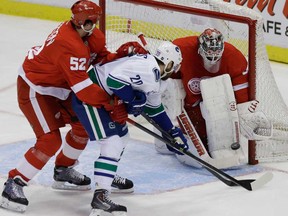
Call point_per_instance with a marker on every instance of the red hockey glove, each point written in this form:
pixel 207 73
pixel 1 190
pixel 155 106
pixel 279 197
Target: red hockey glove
pixel 118 113
pixel 130 48
pixel 109 106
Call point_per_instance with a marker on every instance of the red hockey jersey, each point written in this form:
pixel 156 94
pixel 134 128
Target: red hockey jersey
pixel 192 71
pixel 60 65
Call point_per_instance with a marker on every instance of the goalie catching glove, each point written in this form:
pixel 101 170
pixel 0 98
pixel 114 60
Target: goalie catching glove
pixel 254 125
pixel 180 140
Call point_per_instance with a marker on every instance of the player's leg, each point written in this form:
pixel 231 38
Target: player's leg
pixel 100 127
pixel 40 112
pixel 65 175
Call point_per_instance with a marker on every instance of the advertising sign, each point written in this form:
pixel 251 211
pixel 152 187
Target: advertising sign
pixel 275 14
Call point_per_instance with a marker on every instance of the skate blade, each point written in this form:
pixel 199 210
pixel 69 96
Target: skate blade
pixel 121 191
pixel 67 186
pixel 5 203
pixel 96 212
pixel 119 213
pixel 100 212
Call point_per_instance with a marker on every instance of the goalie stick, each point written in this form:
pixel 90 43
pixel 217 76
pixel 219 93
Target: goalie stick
pixel 248 184
pixel 186 124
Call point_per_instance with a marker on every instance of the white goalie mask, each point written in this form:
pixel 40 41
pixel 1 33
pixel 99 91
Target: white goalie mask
pixel 211 46
pixel 168 52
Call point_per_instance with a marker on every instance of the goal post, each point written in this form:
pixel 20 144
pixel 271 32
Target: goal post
pixel 160 20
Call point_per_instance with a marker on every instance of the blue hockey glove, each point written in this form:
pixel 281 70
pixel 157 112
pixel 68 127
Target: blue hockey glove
pixel 181 141
pixel 136 106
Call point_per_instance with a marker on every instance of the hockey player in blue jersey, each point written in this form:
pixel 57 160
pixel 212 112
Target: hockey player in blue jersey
pixel 136 81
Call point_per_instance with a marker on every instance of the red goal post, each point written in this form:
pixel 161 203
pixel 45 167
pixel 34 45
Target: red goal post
pixel 160 20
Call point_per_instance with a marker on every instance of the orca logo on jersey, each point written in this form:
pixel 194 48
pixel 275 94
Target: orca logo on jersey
pixel 111 125
pixel 194 86
pixel 157 74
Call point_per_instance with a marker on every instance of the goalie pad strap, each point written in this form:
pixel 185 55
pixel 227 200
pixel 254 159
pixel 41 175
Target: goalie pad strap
pixel 191 133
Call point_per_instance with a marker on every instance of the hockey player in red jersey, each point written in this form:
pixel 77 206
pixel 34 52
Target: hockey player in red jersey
pixel 204 57
pixel 47 76
pixel 214 77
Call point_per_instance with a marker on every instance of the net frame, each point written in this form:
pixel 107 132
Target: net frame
pixel 254 22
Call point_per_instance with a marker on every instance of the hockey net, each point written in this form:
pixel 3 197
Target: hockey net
pixel 171 19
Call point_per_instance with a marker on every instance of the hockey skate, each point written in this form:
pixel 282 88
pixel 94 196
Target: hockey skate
pixel 67 178
pixel 121 185
pixel 102 203
pixel 13 197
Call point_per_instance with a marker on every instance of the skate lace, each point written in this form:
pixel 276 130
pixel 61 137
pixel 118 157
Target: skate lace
pixel 15 190
pixel 107 200
pixel 119 179
pixel 18 190
pixel 74 174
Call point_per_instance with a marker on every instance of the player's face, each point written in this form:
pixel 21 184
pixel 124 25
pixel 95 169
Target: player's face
pixel 166 73
pixel 88 27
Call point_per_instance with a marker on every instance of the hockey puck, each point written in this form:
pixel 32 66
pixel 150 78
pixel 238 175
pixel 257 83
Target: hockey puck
pixel 235 146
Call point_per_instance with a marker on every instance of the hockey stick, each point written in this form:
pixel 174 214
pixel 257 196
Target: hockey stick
pixel 249 184
pixel 144 42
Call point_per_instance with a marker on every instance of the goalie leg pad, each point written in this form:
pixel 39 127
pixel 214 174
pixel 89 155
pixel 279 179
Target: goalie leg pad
pixel 188 160
pixel 173 97
pixel 220 113
pixel 197 148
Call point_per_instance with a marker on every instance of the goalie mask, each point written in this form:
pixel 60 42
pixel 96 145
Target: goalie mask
pixel 211 47
pixel 84 11
pixel 170 55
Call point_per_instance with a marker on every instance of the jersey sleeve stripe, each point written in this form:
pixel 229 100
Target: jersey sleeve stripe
pixel 81 85
pixel 154 111
pixel 240 86
pixel 114 83
pixel 58 92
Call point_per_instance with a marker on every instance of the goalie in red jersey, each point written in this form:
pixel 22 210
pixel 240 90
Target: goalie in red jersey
pixel 46 79
pixel 213 86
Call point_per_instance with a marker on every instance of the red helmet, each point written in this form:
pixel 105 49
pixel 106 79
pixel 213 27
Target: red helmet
pixel 85 10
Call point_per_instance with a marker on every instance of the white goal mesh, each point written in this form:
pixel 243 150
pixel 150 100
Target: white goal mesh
pixel 171 19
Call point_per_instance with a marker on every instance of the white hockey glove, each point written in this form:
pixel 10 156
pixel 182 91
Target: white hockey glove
pixel 254 125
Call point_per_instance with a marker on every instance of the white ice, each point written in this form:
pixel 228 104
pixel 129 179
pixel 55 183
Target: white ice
pixel 166 191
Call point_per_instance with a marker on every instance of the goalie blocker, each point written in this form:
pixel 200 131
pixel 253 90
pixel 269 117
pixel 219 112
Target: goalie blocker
pixel 227 123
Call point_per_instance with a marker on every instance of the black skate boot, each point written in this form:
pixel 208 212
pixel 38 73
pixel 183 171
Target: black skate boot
pixel 13 197
pixel 101 202
pixel 67 178
pixel 122 185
